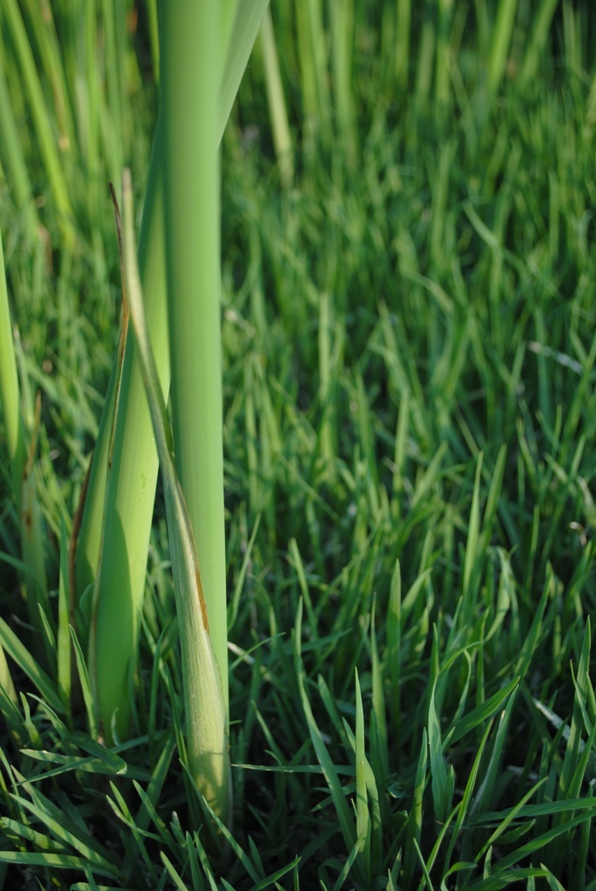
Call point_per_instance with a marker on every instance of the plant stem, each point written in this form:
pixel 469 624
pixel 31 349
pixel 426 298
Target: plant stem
pixel 190 77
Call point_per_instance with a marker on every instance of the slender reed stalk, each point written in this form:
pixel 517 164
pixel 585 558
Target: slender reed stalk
pixel 282 138
pixel 312 53
pixel 9 391
pixel 205 700
pixel 403 17
pixel 501 40
pixel 121 536
pixel 190 82
pixel 342 37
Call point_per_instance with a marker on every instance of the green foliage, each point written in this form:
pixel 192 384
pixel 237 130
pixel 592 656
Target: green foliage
pixel 409 419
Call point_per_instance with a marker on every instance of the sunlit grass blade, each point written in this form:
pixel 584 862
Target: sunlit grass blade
pixel 403 16
pixel 483 800
pixel 472 550
pixel 249 866
pixel 443 775
pixel 534 52
pixel 313 55
pixel 277 105
pixel 138 846
pixel 462 811
pixel 26 661
pixel 46 140
pixel 541 842
pixel 483 712
pixel 501 38
pixel 90 700
pixel 574 739
pixel 88 520
pixel 6 682
pixel 370 834
pixel 9 391
pixel 346 822
pixel 150 796
pixel 425 60
pixel 363 821
pixel 508 819
pixel 65 831
pixel 105 762
pixel 342 44
pixel 239 32
pixel 380 756
pixel 63 647
pixel 53 861
pixel 393 623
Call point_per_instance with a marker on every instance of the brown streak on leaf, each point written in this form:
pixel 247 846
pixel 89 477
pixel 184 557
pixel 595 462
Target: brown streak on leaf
pixel 125 317
pixel 202 602
pixel 72 547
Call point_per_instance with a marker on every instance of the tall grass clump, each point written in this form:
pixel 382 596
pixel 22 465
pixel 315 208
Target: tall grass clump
pixel 391 660
pixel 110 536
pixel 133 462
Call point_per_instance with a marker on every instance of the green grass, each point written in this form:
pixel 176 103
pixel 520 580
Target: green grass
pixel 409 424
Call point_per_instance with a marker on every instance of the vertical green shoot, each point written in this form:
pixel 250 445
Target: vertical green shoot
pixel 9 391
pixel 130 484
pixel 277 104
pixel 204 696
pixel 403 42
pixel 22 464
pixel 190 81
pixel 501 41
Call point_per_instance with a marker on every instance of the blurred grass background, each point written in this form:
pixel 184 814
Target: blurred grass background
pixel 408 331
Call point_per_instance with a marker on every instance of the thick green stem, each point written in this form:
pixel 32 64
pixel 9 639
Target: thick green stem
pixel 190 79
pixel 204 701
